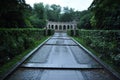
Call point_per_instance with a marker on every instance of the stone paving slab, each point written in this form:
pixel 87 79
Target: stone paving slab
pixel 67 38
pixel 57 34
pixel 26 74
pixel 98 74
pixel 41 55
pixel 61 41
pixel 81 56
pixel 61 57
pixel 56 74
pixel 57 66
pixel 62 75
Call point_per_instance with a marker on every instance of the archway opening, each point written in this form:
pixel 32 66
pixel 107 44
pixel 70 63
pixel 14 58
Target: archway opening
pixel 56 27
pixel 48 26
pixel 68 27
pixel 64 27
pixel 52 26
pixel 71 27
pixel 60 27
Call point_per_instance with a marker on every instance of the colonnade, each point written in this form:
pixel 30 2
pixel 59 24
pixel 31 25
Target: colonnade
pixel 61 26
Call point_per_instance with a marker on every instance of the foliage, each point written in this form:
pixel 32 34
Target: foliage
pixel 106 14
pixel 11 15
pixel 102 14
pixel 10 64
pixel 84 22
pixel 14 41
pixel 39 10
pixel 68 15
pixel 38 16
pixel 104 42
pixel 93 22
pixel 55 10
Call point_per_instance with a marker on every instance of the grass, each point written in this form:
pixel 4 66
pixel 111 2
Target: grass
pixel 83 43
pixel 11 63
pixel 107 61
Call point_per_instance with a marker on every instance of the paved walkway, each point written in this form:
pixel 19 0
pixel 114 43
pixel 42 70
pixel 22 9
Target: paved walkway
pixel 60 58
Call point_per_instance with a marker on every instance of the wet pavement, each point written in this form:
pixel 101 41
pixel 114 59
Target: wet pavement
pixel 60 58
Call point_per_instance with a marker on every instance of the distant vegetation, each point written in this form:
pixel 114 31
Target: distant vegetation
pixel 102 14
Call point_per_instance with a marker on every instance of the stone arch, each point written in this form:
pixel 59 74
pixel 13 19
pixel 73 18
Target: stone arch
pixel 68 27
pixel 64 27
pixel 52 26
pixel 71 26
pixel 56 27
pixel 48 26
pixel 60 27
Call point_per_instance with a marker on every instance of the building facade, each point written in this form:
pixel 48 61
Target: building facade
pixel 61 26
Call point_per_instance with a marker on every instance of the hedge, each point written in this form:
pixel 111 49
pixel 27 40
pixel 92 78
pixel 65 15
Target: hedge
pixel 15 41
pixel 105 42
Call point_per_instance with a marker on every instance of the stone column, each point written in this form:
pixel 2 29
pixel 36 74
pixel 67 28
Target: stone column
pixel 74 30
pixel 46 30
pixel 58 26
pixel 53 27
pixel 50 27
pixel 71 27
pixel 62 27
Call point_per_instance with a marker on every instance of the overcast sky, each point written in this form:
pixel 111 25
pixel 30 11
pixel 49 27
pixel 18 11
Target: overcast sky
pixel 76 4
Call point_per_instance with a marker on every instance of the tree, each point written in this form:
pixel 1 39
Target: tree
pixel 68 15
pixel 93 22
pixel 39 10
pixel 106 13
pixel 11 15
pixel 38 17
pixel 53 12
pixel 84 20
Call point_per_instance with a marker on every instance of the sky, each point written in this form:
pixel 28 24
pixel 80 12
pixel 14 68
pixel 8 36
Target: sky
pixel 76 4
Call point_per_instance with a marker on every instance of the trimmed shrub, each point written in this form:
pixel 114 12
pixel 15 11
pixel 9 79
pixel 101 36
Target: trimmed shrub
pixel 50 32
pixel 15 41
pixel 105 42
pixel 71 32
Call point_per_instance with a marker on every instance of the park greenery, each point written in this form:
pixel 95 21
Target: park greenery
pixel 18 21
pixel 103 43
pixel 102 14
pixel 16 43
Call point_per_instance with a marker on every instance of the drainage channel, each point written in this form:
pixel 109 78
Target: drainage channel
pixel 61 58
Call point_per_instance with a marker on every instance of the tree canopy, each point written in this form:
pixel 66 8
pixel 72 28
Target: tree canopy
pixel 106 13
pixel 102 14
pixel 11 13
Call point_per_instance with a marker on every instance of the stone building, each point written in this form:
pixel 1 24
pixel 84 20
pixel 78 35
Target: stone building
pixel 61 26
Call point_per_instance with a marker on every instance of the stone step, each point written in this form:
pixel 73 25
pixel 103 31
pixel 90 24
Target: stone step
pixel 61 66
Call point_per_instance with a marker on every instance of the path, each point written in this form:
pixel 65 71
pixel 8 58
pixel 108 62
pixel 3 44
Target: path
pixel 60 58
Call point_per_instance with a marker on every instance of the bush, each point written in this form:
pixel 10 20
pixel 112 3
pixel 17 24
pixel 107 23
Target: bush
pixel 104 42
pixel 15 41
pixel 71 32
pixel 50 32
pixel 117 60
